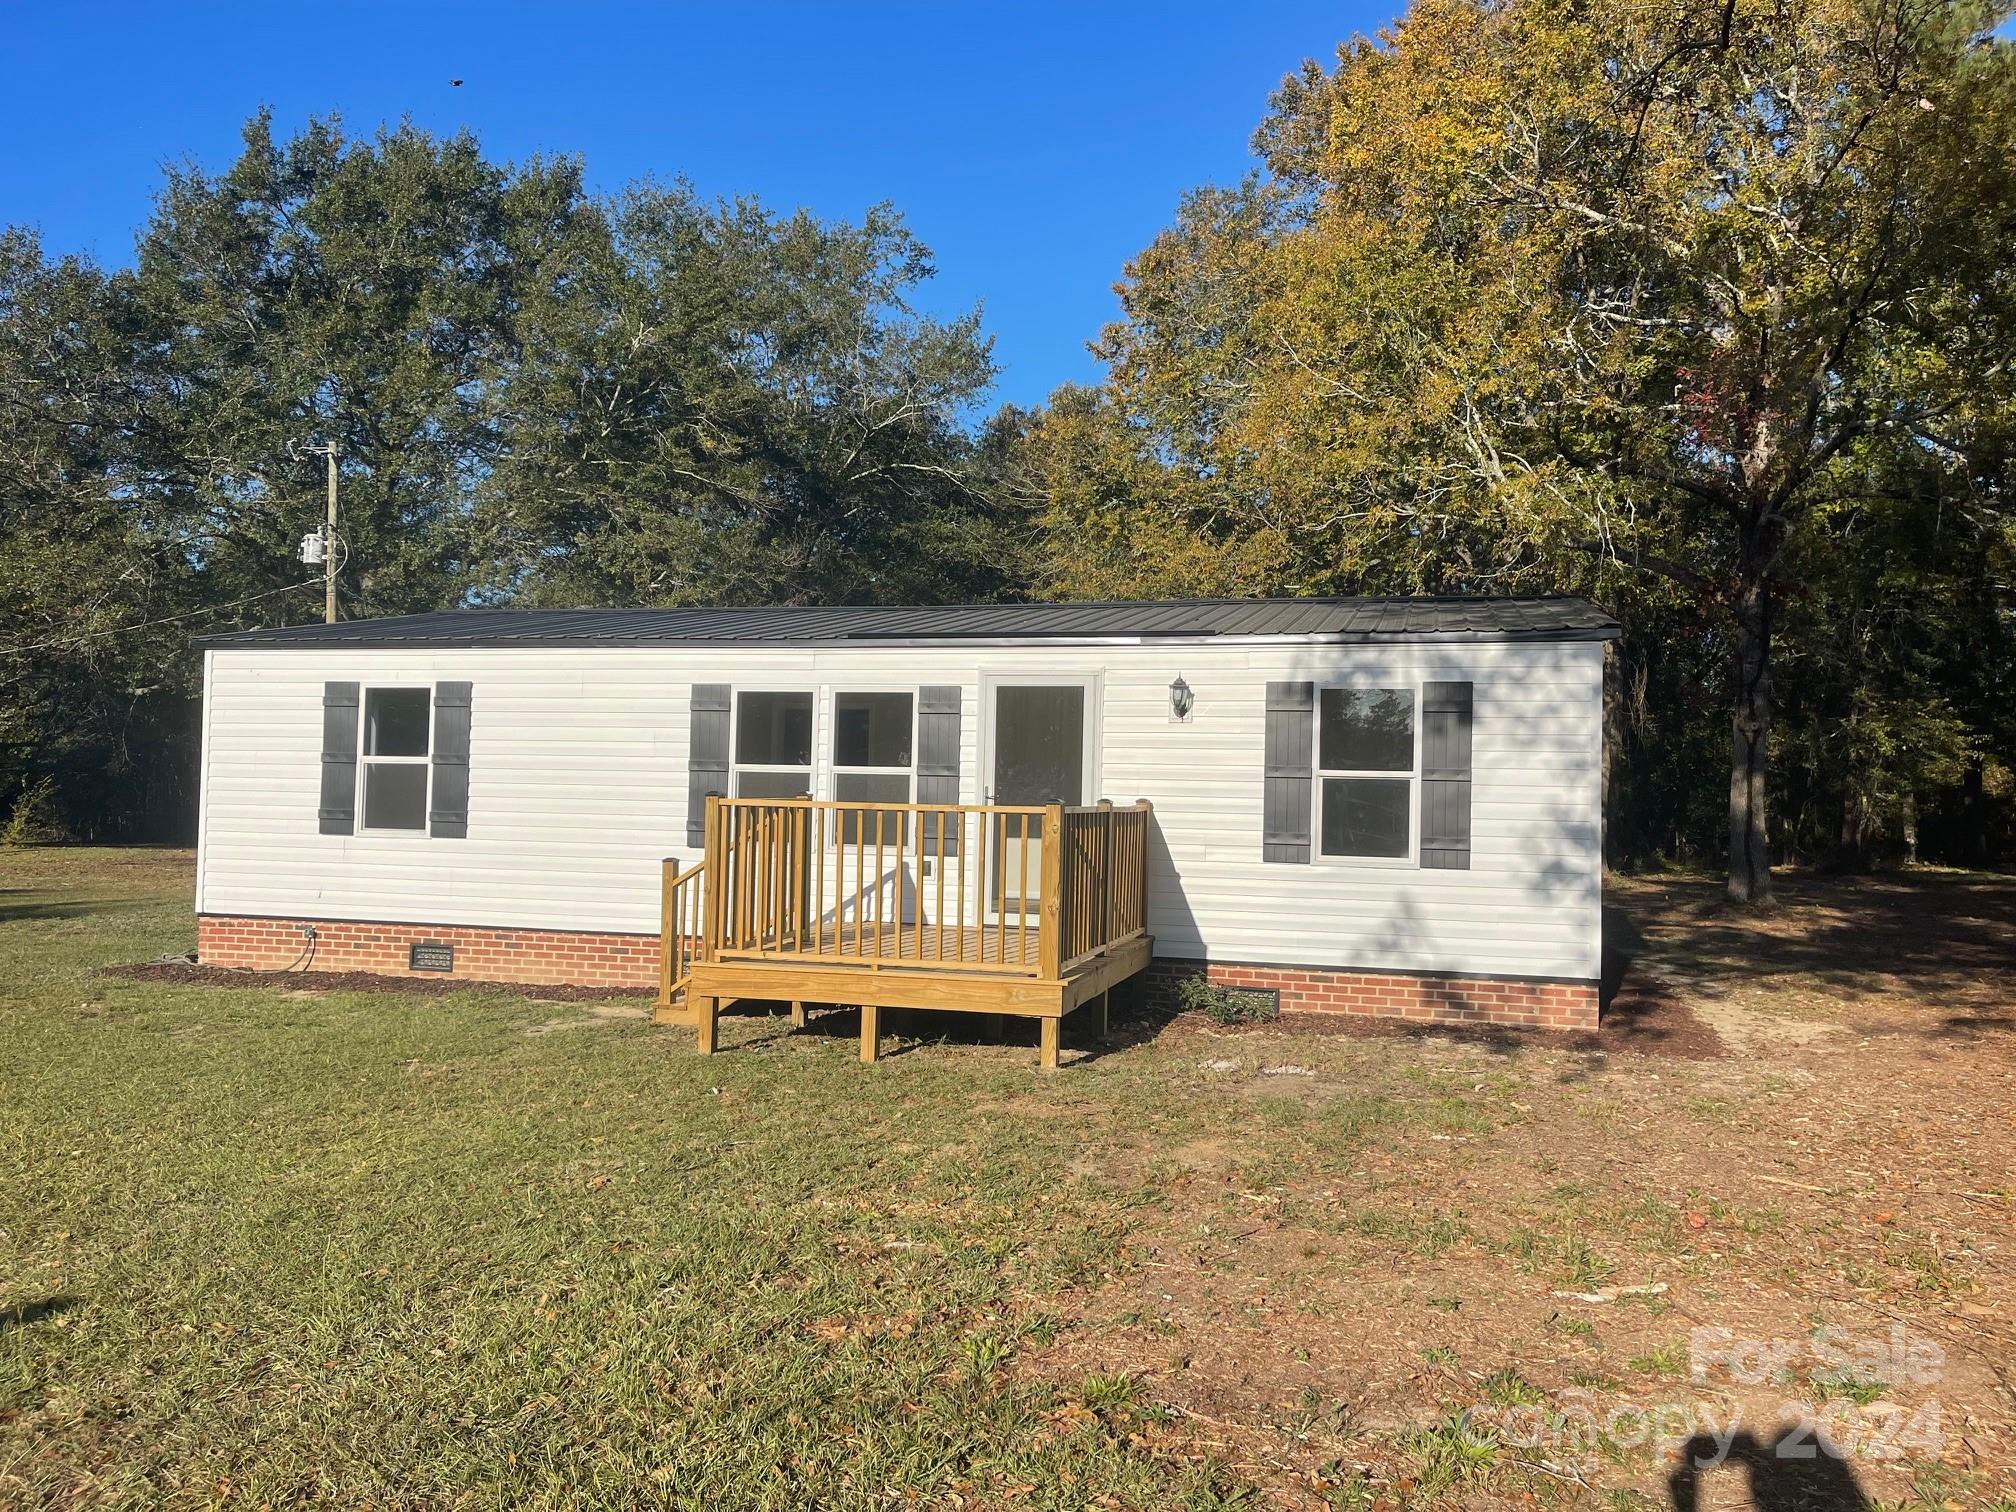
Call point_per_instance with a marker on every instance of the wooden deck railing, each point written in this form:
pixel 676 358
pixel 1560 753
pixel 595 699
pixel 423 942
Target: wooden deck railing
pixel 1103 882
pixel 999 890
pixel 681 926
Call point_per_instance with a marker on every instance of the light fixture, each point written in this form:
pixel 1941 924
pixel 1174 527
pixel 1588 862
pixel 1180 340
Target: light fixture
pixel 1181 699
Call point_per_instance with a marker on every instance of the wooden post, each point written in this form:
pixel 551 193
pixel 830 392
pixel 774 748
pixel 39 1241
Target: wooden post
pixel 871 1033
pixel 1046 1058
pixel 667 927
pixel 1050 932
pixel 1106 874
pixel 797 1015
pixel 1101 1021
pixel 707 1022
pixel 714 854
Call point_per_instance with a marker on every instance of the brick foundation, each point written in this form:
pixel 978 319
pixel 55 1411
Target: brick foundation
pixel 540 956
pixel 583 958
pixel 1440 999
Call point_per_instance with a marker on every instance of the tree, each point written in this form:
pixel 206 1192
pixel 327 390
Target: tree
pixel 537 396
pixel 92 711
pixel 1556 291
pixel 365 292
pixel 732 406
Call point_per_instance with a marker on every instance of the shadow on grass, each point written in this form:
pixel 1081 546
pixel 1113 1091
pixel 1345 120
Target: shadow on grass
pixel 906 1031
pixel 1930 935
pixel 21 905
pixel 22 1314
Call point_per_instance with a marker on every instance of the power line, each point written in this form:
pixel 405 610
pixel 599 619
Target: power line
pixel 168 619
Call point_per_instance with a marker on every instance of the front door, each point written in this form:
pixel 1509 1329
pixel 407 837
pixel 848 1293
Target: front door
pixel 1039 751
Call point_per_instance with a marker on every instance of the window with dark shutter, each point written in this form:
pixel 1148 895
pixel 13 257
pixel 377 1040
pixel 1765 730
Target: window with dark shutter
pixel 1446 720
pixel 1289 777
pixel 707 754
pixel 448 808
pixel 338 810
pixel 938 759
pixel 397 734
pixel 1365 772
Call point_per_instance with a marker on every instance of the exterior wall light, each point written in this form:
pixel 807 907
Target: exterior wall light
pixel 1181 700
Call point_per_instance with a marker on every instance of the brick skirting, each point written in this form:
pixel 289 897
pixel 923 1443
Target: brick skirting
pixel 1442 999
pixel 586 959
pixel 544 957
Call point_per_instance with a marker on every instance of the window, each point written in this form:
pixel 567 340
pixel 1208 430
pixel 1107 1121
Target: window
pixel 773 745
pixel 394 762
pixel 1366 769
pixel 872 746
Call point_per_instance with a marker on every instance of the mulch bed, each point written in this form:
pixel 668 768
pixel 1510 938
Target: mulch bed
pixel 180 974
pixel 1652 1022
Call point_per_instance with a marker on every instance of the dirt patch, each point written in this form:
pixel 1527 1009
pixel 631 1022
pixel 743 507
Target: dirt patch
pixel 299 983
pixel 1798 1124
pixel 593 1016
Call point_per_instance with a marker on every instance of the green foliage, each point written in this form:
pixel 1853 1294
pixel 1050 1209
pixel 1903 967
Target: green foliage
pixel 33 821
pixel 731 406
pixel 1454 1451
pixel 537 396
pixel 1506 1387
pixel 1225 1005
pixel 1700 309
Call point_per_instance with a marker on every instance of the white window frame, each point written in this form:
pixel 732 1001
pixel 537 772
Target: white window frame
pixel 830 769
pixel 365 762
pixel 1411 775
pixel 835 771
pixel 736 766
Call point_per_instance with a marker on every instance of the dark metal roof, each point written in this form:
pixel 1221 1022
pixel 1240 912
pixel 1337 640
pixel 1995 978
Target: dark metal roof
pixel 1322 619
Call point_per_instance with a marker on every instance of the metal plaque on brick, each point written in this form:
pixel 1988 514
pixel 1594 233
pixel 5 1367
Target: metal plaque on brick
pixel 430 955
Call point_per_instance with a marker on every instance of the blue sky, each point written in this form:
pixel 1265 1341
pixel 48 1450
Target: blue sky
pixel 1033 147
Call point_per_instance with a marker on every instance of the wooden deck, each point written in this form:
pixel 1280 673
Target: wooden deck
pixel 1030 911
pixel 1001 947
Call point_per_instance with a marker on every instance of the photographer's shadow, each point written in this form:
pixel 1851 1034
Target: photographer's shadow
pixel 1795 1472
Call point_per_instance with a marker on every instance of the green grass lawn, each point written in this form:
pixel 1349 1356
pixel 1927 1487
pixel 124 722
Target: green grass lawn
pixel 372 1248
pixel 262 1247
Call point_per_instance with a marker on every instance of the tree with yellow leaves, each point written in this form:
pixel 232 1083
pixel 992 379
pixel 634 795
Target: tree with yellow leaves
pixel 1539 291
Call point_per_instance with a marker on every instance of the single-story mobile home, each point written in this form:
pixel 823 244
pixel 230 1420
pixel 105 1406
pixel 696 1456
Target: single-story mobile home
pixel 1367 806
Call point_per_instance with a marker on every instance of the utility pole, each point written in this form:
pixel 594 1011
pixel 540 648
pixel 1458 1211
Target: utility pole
pixel 329 549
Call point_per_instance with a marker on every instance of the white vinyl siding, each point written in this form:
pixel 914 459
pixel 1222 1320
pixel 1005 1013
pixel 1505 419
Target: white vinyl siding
pixel 577 790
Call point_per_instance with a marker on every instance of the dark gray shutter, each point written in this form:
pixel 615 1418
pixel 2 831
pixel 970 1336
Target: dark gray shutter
pixel 1445 775
pixel 938 759
pixel 338 812
pixel 706 755
pixel 448 813
pixel 1290 778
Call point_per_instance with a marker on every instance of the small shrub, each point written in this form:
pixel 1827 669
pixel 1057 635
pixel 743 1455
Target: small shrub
pixel 34 820
pixel 1668 1359
pixel 1507 1388
pixel 1112 1392
pixel 1859 1389
pixel 1226 1005
pixel 1453 1451
pixel 986 1353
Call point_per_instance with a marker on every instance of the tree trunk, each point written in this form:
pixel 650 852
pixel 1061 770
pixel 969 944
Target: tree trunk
pixel 1749 855
pixel 1974 832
